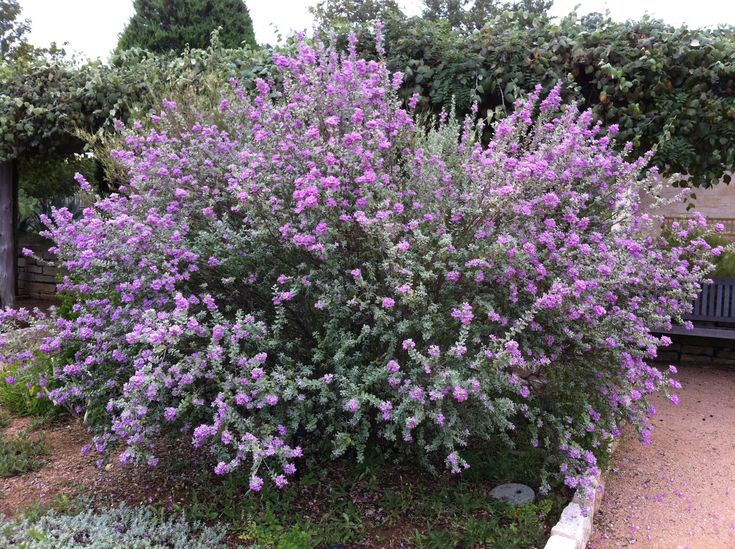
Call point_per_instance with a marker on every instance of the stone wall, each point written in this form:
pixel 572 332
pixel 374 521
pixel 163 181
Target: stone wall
pixel 698 351
pixel 36 279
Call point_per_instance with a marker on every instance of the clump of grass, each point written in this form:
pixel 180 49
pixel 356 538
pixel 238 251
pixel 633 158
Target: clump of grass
pixel 61 504
pixel 19 454
pixel 5 419
pixel 50 419
pixel 725 262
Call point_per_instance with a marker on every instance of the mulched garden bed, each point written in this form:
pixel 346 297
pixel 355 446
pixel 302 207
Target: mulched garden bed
pixel 374 504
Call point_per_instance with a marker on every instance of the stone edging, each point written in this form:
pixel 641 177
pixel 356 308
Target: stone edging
pixel 573 530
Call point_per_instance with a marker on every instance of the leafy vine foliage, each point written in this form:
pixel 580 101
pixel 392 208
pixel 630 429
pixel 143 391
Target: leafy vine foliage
pixel 667 88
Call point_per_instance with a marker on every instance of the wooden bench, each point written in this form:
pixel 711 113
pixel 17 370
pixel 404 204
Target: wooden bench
pixel 713 314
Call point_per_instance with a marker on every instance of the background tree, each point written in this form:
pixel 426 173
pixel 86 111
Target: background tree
pixel 328 13
pixel 470 15
pixel 169 25
pixel 452 11
pixel 12 31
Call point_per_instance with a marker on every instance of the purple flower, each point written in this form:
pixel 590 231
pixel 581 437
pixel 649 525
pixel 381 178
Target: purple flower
pixel 218 332
pixel 280 481
pixel 463 314
pixel 256 483
pixel 459 393
pixel 388 302
pixel 222 469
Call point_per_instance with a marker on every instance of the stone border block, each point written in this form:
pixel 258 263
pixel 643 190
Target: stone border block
pixel 574 529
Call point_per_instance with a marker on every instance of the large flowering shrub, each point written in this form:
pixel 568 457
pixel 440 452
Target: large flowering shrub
pixel 311 266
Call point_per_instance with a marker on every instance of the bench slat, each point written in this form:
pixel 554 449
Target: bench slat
pixel 716 333
pixel 704 301
pixel 715 303
pixel 719 296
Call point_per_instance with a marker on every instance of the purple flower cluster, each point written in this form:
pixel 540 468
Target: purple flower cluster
pixel 308 260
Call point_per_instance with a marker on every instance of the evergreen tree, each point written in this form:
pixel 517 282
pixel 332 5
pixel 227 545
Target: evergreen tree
pixel 169 25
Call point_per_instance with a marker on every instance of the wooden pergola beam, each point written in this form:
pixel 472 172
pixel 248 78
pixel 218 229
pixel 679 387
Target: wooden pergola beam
pixel 8 237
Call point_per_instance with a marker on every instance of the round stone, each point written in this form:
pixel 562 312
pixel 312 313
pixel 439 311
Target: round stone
pixel 513 493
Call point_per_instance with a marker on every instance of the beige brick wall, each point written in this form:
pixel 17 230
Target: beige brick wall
pixel 716 203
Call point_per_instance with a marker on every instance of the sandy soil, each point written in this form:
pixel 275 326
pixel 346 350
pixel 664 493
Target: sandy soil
pixel 678 492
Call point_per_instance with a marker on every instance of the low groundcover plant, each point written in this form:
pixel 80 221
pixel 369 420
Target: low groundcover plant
pixel 115 527
pixel 311 266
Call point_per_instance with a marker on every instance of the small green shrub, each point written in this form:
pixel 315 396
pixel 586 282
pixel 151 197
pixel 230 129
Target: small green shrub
pixel 725 262
pixel 19 454
pixel 117 527
pixel 21 393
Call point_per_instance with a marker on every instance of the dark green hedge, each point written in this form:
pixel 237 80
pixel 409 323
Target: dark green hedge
pixel 670 88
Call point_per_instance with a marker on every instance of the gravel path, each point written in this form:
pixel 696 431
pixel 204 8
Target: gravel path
pixel 678 492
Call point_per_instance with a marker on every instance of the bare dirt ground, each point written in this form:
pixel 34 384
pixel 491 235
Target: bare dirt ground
pixel 69 474
pixel 678 492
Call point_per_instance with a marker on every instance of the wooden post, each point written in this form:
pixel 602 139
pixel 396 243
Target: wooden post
pixel 8 240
